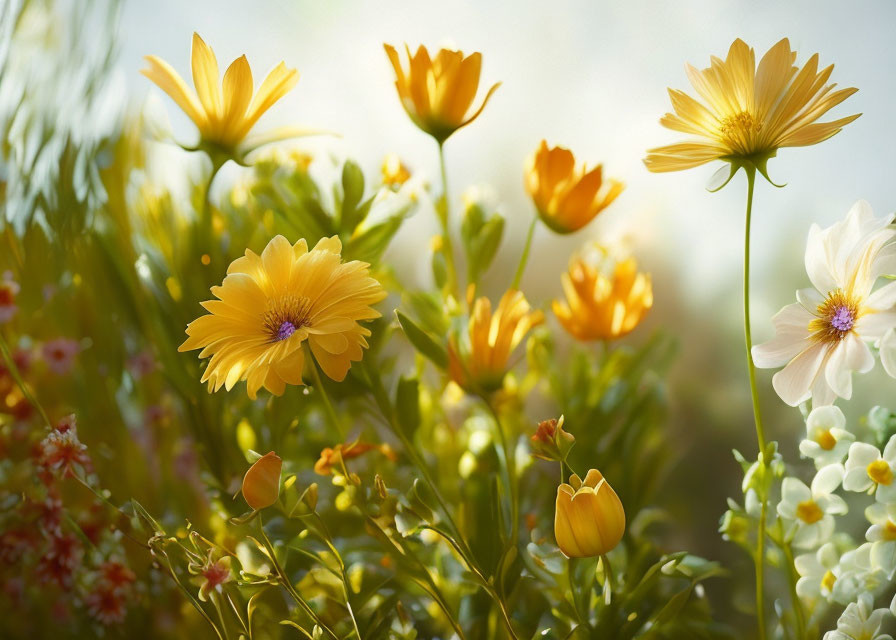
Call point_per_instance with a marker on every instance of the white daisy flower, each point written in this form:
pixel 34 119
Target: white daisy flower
pixel 860 620
pixel 822 338
pixel 882 536
pixel 827 440
pixel 812 510
pixel 867 469
pixel 856 574
pixel 817 577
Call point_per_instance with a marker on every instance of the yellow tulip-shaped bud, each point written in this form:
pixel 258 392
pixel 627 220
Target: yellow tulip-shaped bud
pixel 261 484
pixel 589 520
pixel 567 199
pixel 394 171
pixel 437 93
pixel 599 306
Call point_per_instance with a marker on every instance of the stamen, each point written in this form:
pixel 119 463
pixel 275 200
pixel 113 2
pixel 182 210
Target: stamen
pixel 740 126
pixel 836 317
pixel 285 316
pixel 809 512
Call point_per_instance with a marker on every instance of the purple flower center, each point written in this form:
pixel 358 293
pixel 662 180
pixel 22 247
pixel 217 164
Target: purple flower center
pixel 287 329
pixel 843 319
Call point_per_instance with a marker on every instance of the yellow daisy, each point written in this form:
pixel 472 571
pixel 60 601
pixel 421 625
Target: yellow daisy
pixel 438 93
pixel 598 307
pixel 224 114
pixel 750 112
pixel 480 364
pixel 270 305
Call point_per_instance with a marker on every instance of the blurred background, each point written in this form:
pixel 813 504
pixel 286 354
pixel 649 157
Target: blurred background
pixel 591 77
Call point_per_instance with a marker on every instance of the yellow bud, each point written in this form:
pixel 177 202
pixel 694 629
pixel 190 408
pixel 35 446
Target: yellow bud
pixel 589 520
pixel 261 484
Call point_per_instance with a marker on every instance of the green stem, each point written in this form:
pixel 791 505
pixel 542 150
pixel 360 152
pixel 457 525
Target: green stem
pixel 524 258
pixel 17 376
pixel 287 583
pixel 794 597
pixel 509 456
pixel 328 404
pixel 443 210
pixel 757 415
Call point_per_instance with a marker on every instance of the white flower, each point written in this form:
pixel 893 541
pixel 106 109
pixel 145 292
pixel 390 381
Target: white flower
pixel 827 441
pixel 866 468
pixel 816 571
pixel 887 346
pixel 822 338
pixel 812 511
pixel 860 621
pixel 882 536
pixel 855 574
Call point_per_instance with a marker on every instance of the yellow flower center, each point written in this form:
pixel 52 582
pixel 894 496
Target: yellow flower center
pixel 880 472
pixel 889 532
pixel 286 314
pixel 837 317
pixel 825 440
pixel 828 581
pixel 809 512
pixel 740 127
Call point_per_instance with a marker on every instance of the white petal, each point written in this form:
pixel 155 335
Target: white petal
pixel 817 263
pixel 827 479
pixel 883 298
pixel 861 454
pixel 794 491
pixel 791 337
pixel 888 352
pixel 875 324
pixel 825 418
pixel 795 380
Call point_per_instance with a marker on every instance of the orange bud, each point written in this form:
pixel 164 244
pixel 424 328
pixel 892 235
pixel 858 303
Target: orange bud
pixel 261 484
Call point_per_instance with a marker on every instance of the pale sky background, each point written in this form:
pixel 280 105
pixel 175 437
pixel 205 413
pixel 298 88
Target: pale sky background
pixel 591 76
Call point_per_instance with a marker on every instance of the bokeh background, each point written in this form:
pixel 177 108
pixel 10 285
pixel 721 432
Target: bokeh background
pixel 590 76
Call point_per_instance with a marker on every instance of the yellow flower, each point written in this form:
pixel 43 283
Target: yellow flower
pixel 480 364
pixel 589 520
pixel 598 307
pixel 437 94
pixel 749 112
pixel 261 484
pixel 567 199
pixel 268 307
pixel 395 173
pixel 223 118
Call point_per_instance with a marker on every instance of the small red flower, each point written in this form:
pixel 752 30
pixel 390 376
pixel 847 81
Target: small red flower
pixel 62 452
pixel 107 604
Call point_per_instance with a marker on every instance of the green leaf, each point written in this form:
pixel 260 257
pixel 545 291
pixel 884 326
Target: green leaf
pixel 407 403
pixel 352 193
pixel 423 342
pixel 369 245
pixel 485 246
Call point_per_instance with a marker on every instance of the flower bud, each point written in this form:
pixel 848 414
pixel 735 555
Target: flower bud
pixel 550 441
pixel 261 484
pixel 589 520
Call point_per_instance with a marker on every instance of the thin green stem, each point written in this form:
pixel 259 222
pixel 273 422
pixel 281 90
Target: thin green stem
pixel 328 404
pixel 217 604
pixel 17 376
pixel 287 583
pixel 509 456
pixel 328 540
pixel 443 210
pixel 793 577
pixel 757 414
pixel 524 258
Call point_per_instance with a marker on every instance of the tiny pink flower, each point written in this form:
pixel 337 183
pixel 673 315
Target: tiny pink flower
pixel 59 354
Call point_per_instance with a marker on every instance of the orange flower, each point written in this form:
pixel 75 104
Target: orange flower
pixel 567 199
pixel 598 307
pixel 480 363
pixel 331 458
pixel 438 93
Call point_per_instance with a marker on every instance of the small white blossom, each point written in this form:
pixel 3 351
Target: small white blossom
pixel 882 536
pixel 856 574
pixel 812 510
pixel 817 577
pixel 827 440
pixel 867 468
pixel 860 620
